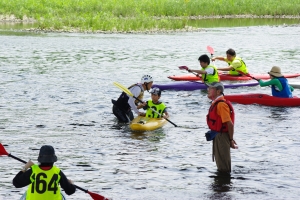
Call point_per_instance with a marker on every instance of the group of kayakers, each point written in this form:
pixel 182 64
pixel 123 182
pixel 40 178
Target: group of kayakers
pixel 220 117
pixel 44 179
pixel 237 67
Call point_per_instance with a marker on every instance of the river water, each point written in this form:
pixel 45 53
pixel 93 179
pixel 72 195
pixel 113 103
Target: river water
pixel 56 88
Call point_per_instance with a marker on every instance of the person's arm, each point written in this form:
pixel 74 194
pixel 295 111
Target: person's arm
pixel 66 185
pixel 224 111
pixel 230 133
pixel 291 87
pixel 197 71
pixel 136 90
pixel 218 58
pixel 22 179
pixel 225 68
pixel 273 81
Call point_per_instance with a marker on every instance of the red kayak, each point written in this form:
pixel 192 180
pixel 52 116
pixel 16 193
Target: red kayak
pixel 227 77
pixel 263 99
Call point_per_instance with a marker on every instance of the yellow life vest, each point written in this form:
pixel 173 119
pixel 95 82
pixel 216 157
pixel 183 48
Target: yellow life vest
pixel 44 184
pixel 242 68
pixel 209 78
pixel 160 107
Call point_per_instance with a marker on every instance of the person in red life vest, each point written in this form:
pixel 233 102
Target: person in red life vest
pixel 45 179
pixel 220 119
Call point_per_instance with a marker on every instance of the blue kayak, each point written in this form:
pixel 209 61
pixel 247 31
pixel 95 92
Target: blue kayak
pixel 194 85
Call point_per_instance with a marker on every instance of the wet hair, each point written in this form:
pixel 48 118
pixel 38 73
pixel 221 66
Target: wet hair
pixel 231 52
pixel 204 58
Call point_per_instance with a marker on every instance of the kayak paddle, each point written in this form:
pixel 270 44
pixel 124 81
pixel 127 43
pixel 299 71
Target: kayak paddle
pixel 127 91
pixel 247 75
pixel 187 69
pixel 210 50
pixel 95 196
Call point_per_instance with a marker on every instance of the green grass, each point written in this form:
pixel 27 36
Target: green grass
pixel 139 15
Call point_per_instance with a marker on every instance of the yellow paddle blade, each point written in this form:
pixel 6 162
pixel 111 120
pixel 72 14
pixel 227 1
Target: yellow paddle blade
pixel 122 87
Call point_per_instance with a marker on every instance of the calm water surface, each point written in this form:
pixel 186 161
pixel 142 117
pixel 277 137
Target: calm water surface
pixel 57 88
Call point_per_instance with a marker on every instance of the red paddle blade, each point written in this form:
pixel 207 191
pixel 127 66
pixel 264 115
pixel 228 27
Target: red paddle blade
pixel 210 50
pixel 183 67
pixel 96 196
pixel 3 151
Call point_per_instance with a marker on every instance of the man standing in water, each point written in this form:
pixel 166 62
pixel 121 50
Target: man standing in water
pixel 122 107
pixel 220 120
pixel 234 63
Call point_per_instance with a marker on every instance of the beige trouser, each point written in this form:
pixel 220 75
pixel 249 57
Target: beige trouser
pixel 221 152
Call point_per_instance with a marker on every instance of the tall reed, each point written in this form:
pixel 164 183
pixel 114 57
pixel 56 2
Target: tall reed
pixel 127 15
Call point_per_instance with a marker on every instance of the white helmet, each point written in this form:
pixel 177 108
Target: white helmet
pixel 147 79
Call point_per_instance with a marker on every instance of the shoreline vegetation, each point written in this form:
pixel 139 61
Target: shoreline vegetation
pixel 129 16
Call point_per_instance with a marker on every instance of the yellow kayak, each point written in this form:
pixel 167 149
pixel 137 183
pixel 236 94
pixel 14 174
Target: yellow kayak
pixel 146 124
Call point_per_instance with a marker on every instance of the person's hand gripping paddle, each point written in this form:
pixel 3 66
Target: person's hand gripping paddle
pixel 127 91
pixel 95 196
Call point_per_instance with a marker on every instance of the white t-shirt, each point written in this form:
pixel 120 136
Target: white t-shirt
pixel 135 90
pixel 209 70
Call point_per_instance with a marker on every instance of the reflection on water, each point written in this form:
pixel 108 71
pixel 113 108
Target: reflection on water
pixel 279 113
pixel 222 182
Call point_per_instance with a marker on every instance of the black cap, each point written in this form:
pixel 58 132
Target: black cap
pixel 156 91
pixel 47 154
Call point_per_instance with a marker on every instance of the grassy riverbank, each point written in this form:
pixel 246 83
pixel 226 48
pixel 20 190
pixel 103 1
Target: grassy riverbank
pixel 138 15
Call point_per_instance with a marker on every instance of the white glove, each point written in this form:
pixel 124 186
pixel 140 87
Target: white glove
pixel 27 165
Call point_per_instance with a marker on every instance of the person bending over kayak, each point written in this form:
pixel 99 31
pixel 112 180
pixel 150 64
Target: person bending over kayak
pixel 156 105
pixel 279 84
pixel 122 107
pixel 209 72
pixel 43 179
pixel 234 63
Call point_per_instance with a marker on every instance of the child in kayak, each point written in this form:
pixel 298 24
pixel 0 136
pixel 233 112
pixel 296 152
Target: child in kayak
pixel 155 104
pixel 234 63
pixel 279 84
pixel 44 179
pixel 123 106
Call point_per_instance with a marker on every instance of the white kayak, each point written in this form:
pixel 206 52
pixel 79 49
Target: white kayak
pixel 295 84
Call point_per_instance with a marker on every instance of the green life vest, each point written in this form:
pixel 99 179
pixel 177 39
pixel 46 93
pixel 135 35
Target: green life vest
pixel 160 107
pixel 44 184
pixel 242 68
pixel 209 78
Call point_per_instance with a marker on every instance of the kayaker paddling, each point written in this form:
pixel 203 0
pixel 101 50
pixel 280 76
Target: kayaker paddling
pixel 234 63
pixel 209 73
pixel 45 179
pixel 279 84
pixel 155 104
